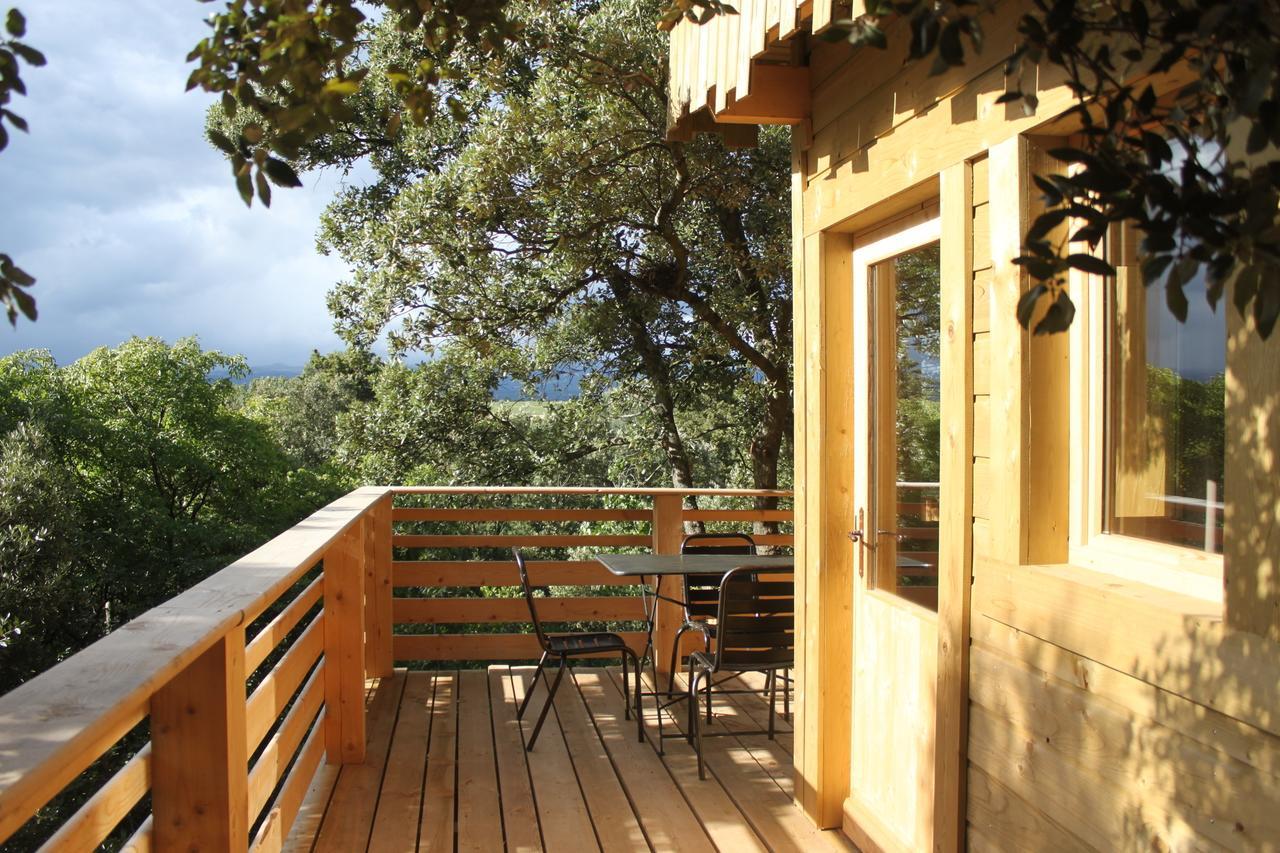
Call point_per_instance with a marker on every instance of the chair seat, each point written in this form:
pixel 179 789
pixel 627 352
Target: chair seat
pixel 583 643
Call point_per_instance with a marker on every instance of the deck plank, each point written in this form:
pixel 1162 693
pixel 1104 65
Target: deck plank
pixel 349 816
pixel 480 815
pixel 395 823
pixel 436 829
pixel 771 813
pixel 615 821
pixel 667 819
pixel 562 812
pixel 447 770
pixel 519 815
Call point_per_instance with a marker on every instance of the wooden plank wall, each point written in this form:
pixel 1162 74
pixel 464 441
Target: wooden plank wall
pixel 1103 714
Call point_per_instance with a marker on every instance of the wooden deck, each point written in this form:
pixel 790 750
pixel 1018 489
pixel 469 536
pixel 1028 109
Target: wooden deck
pixel 447 770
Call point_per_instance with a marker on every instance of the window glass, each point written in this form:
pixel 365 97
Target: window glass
pixel 907 290
pixel 1166 418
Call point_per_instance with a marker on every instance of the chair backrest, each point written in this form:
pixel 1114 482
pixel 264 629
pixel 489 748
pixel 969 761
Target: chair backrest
pixel 756 619
pixel 702 592
pixel 528 598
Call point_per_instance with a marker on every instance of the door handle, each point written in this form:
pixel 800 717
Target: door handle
pixel 897 537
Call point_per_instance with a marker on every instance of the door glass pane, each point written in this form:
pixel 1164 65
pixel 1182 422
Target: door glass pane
pixel 907 298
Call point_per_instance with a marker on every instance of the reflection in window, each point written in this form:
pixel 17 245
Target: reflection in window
pixel 908 304
pixel 1166 418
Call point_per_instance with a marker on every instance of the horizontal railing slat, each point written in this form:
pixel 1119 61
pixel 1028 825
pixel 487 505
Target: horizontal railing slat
pixel 429 573
pixel 451 647
pixel 274 692
pixel 586 490
pixel 261 646
pixel 95 820
pixel 455 611
pixel 279 751
pixel 738 515
pixel 284 810
pixel 507 540
pixel 413 513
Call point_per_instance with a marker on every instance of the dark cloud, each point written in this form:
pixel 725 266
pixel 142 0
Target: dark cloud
pixel 129 219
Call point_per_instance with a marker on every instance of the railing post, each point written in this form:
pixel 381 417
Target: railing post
pixel 668 533
pixel 378 660
pixel 199 753
pixel 344 735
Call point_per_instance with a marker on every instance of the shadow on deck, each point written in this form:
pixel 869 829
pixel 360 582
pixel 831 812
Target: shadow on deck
pixel 446 770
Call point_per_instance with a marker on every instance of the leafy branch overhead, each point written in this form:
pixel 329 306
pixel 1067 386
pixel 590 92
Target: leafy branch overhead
pixel 1178 108
pixel 14 282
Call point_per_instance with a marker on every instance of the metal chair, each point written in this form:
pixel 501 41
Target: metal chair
pixel 755 621
pixel 701 592
pixel 565 646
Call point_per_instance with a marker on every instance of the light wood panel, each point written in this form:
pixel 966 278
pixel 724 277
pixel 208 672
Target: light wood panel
pixel 445 647
pixel 95 820
pixel 198 720
pixel 958 446
pixel 344 650
pixel 266 640
pixel 428 573
pixel 475 610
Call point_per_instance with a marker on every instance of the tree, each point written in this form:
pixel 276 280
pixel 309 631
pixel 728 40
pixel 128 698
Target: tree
pixel 1196 173
pixel 14 281
pixel 549 215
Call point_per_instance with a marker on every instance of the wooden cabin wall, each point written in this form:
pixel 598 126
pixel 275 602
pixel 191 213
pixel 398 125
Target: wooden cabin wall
pixel 1102 713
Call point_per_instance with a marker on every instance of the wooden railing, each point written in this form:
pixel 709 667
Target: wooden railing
pixel 246 682
pixel 558 539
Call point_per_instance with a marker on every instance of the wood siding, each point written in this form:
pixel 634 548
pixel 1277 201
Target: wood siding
pixel 1105 709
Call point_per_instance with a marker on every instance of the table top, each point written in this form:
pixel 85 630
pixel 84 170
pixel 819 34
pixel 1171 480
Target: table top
pixel 685 564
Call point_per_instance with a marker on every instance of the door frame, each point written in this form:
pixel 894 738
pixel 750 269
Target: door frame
pixel 825 510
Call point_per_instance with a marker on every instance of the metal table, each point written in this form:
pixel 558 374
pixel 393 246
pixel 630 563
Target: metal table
pixel 659 566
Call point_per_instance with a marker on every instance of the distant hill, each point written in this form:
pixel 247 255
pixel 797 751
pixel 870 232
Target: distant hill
pixel 259 371
pixel 561 387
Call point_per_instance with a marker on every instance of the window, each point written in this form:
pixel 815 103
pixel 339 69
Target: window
pixel 1165 411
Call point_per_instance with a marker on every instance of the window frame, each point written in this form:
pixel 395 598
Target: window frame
pixel 1177 568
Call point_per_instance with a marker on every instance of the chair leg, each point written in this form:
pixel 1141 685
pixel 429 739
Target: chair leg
pixel 786 697
pixel 709 680
pixel 773 701
pixel 555 685
pixel 529 693
pixel 675 659
pixel 626 701
pixel 696 716
pixel 626 689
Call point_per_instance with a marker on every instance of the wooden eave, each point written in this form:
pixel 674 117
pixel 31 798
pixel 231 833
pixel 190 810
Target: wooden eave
pixel 736 72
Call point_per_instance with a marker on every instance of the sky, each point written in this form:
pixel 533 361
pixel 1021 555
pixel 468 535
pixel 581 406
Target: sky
pixel 129 219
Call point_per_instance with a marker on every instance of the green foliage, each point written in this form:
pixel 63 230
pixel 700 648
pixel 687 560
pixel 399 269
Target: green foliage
pixel 1192 420
pixel 124 478
pixel 1196 174
pixel 13 280
pixel 548 225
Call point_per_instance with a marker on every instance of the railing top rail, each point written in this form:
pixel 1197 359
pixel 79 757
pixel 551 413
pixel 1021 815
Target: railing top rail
pixel 51 721
pixel 585 490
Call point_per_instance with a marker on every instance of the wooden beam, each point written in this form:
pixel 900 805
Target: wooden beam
pixel 200 758
pixel 377 658
pixel 779 95
pixel 955 529
pixel 344 650
pixel 668 533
